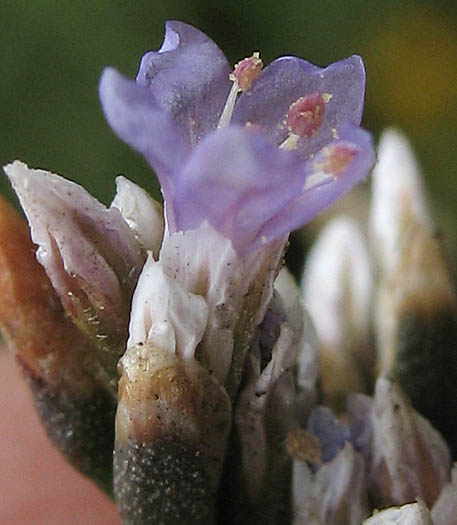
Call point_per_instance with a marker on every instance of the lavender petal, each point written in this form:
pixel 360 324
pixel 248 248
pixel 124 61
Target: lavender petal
pixel 314 199
pixel 189 77
pixel 137 118
pixel 331 433
pixel 236 180
pixel 287 79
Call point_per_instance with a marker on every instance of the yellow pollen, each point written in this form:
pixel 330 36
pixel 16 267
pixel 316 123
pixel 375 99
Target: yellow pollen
pixel 304 446
pixel 326 97
pixel 290 143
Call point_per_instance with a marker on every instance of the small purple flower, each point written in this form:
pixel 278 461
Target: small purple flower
pixel 254 165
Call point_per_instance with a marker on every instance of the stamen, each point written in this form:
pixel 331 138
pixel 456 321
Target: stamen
pixel 304 118
pixel 306 115
pixel 243 75
pixel 337 158
pixel 227 112
pixel 317 179
pixel 290 143
pixel 246 71
pixel 334 162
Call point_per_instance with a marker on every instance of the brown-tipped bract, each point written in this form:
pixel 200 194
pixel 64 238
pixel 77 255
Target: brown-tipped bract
pixel 172 425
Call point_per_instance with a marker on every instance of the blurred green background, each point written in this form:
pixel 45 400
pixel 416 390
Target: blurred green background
pixel 52 54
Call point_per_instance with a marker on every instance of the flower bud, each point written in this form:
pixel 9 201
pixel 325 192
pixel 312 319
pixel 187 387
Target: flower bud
pixel 173 416
pixel 337 287
pixel 272 403
pixel 143 214
pixel 71 392
pixel 397 197
pixel 416 306
pixel 88 251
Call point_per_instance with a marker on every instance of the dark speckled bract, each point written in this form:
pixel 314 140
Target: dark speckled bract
pixel 162 483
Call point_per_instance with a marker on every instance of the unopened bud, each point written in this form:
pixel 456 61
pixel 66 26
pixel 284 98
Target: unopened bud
pixel 416 306
pixel 88 251
pixel 143 214
pixel 71 392
pixel 268 415
pixel 173 416
pixel 337 288
pixel 397 197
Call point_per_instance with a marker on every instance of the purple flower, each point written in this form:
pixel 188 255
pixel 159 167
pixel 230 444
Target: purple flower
pixel 254 165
